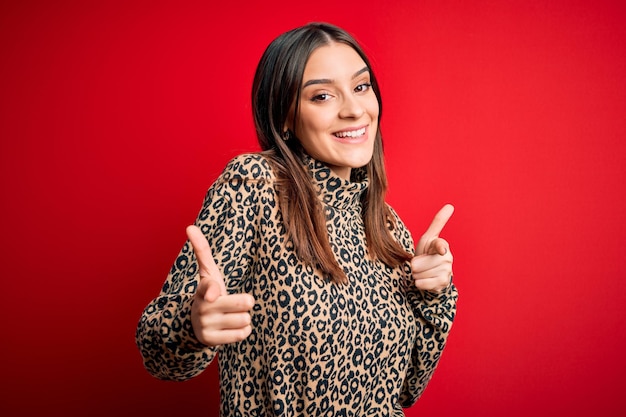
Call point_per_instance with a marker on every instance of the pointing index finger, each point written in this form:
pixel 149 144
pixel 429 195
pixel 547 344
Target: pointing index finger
pixel 435 228
pixel 201 248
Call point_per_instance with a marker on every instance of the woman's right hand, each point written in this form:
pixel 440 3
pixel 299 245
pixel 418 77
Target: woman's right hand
pixel 217 317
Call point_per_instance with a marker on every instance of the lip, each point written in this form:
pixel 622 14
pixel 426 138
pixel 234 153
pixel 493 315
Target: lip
pixel 350 139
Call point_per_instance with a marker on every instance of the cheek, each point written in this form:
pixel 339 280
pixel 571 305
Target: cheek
pixel 373 112
pixel 373 109
pixel 313 123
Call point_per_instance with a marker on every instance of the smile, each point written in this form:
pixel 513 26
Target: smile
pixel 350 133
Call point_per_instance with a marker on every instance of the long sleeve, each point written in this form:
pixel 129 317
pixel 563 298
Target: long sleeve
pixel 367 347
pixel 434 314
pixel 164 335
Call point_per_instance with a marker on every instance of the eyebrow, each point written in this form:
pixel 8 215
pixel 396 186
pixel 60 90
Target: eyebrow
pixel 329 81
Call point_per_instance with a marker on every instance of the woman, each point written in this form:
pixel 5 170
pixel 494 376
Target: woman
pixel 296 271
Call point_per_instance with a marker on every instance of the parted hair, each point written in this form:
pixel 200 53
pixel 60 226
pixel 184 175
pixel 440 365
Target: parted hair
pixel 276 89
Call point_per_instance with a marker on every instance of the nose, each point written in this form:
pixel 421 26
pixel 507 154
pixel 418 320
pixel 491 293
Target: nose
pixel 351 108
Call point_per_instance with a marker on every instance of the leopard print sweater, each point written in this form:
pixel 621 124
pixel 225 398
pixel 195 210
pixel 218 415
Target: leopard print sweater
pixel 367 348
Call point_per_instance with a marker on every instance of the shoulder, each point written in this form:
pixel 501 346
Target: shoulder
pixel 248 166
pixel 400 231
pixel 394 214
pixel 246 181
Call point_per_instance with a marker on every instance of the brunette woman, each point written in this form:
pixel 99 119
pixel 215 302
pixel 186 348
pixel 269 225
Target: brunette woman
pixel 296 271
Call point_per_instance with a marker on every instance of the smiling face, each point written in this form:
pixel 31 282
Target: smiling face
pixel 338 114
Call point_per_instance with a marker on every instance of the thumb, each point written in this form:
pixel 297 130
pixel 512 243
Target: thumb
pixel 209 289
pixel 207 268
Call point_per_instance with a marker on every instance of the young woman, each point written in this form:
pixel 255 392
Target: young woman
pixel 296 271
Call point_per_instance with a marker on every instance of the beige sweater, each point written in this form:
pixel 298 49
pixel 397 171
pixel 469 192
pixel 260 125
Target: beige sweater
pixel 317 348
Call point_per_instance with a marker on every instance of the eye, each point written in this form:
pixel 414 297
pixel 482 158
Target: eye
pixel 362 87
pixel 321 97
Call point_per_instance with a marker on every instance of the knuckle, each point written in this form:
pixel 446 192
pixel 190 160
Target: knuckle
pixel 242 334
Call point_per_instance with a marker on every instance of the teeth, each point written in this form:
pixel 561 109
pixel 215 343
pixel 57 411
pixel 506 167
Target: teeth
pixel 351 134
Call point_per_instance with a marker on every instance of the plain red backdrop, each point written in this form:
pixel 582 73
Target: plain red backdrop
pixel 117 116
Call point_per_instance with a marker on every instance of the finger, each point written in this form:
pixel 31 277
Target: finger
pixel 202 251
pixel 206 263
pixel 428 262
pixel 214 290
pixel 209 289
pixel 440 273
pixel 435 228
pixel 433 284
pixel 226 320
pixel 231 321
pixel 224 337
pixel 437 246
pixel 439 221
pixel 233 303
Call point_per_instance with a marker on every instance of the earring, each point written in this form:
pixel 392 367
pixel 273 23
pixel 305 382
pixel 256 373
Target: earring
pixel 286 135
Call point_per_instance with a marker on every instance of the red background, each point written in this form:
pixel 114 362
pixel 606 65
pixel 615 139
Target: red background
pixel 117 116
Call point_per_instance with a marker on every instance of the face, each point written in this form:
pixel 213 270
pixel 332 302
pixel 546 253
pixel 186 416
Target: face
pixel 338 116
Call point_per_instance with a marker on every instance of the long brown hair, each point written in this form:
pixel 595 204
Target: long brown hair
pixel 276 87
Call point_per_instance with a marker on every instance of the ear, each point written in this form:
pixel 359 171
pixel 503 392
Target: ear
pixel 290 118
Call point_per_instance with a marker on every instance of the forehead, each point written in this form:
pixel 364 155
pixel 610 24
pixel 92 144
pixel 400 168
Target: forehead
pixel 333 61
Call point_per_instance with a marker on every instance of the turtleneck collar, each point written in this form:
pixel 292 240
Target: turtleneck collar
pixel 334 190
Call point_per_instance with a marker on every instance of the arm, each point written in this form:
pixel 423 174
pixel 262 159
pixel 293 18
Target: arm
pixel 165 336
pixel 434 314
pixel 432 297
pixel 165 333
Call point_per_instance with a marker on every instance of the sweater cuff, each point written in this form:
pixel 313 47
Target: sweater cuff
pixel 178 332
pixel 439 298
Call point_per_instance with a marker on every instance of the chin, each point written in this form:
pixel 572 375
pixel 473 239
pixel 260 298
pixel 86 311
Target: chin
pixel 360 160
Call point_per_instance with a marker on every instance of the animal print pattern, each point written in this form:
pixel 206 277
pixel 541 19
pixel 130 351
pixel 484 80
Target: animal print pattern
pixel 367 348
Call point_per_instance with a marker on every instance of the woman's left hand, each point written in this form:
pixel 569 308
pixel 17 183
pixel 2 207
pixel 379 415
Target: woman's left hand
pixel 431 268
